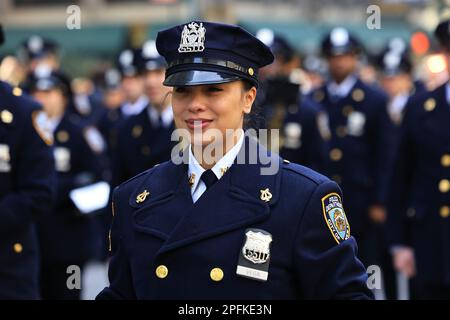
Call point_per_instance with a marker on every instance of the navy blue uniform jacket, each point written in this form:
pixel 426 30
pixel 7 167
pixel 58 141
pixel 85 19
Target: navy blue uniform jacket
pixel 27 178
pixel 190 239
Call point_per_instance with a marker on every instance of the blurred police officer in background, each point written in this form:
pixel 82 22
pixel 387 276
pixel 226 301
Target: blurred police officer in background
pixel 396 78
pixel 66 236
pixel 145 139
pixel 37 50
pixel 315 70
pixel 395 75
pixel 27 179
pixel 112 98
pixel 130 64
pixel 357 133
pixel 419 205
pixel 284 107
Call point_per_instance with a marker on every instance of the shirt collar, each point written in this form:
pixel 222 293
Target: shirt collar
pixel 130 109
pixel 219 168
pixel 53 123
pixel 166 115
pixel 399 101
pixel 343 89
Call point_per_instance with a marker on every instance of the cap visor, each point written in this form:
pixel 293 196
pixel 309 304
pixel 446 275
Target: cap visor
pixel 197 77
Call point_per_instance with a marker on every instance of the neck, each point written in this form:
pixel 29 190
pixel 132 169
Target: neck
pixel 209 154
pixel 339 79
pixel 133 100
pixel 55 115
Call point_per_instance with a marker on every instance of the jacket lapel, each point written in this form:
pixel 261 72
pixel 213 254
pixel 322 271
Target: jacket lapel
pixel 169 196
pixel 232 203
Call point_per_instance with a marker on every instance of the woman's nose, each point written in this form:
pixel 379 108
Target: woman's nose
pixel 196 103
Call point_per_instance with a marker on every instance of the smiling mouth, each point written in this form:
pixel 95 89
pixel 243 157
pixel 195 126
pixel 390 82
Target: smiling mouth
pixel 197 123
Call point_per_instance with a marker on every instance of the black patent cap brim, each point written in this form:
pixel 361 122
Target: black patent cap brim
pixel 198 77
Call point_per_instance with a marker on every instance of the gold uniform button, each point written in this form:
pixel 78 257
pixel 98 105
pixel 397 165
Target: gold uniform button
pixel 162 271
pixel 430 104
pixel 358 95
pixel 216 274
pixel 444 185
pixel 62 136
pixel 136 132
pixel 445 212
pixel 7 117
pixel 17 91
pixel 18 248
pixel 335 154
pixel 445 160
pixel 251 71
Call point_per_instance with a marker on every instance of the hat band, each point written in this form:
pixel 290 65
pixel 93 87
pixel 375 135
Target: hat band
pixel 222 63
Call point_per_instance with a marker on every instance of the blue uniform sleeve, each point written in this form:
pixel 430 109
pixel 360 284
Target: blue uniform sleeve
pixel 34 180
pixel 327 266
pixel 119 273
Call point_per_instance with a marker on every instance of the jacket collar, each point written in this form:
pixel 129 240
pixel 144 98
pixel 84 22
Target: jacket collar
pixel 242 197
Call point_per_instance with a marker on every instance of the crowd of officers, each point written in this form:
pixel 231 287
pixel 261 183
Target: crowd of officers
pixel 384 139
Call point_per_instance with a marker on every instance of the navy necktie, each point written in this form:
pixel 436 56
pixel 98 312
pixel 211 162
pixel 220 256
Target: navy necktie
pixel 209 178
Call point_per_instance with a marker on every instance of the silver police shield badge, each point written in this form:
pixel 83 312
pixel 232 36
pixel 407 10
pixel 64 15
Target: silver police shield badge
pixel 192 38
pixel 256 248
pixel 255 255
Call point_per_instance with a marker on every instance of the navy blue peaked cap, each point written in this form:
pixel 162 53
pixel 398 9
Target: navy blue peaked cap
pixel 340 41
pixel 442 33
pixel 202 52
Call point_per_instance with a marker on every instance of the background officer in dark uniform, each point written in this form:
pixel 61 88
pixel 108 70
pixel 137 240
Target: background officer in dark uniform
pixel 419 206
pixel 27 179
pixel 284 107
pixel 112 99
pixel 143 140
pixel 227 229
pixel 66 237
pixel 130 64
pixel 36 51
pixel 358 140
pixel 395 73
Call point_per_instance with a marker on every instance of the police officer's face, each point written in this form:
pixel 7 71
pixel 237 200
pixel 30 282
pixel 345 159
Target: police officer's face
pixel 53 101
pixel 133 87
pixel 154 88
pixel 398 84
pixel 49 60
pixel 216 106
pixel 113 98
pixel 342 65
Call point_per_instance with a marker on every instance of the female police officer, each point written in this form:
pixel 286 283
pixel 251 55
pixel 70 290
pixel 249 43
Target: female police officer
pixel 227 229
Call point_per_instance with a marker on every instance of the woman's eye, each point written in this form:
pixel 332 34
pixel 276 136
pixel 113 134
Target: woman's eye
pixel 214 89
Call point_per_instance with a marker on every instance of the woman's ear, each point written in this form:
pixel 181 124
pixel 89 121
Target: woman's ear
pixel 249 98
